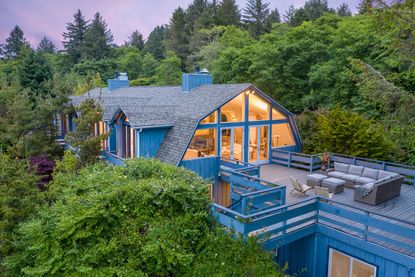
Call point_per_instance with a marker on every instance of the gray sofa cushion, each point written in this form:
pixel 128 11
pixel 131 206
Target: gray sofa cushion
pixel 364 180
pixel 384 179
pixel 364 190
pixel 370 173
pixel 382 174
pixel 336 174
pixel 341 167
pixel 356 170
pixel 349 177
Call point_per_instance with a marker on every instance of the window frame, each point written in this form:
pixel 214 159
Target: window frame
pixel 331 250
pixel 261 98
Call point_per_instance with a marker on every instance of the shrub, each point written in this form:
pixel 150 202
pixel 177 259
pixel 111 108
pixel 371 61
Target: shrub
pixel 43 167
pixel 146 218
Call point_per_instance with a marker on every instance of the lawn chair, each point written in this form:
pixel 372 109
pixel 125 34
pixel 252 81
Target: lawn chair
pixel 323 192
pixel 300 188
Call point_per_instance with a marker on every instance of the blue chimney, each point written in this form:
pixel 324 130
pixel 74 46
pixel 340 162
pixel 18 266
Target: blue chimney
pixel 120 81
pixel 193 80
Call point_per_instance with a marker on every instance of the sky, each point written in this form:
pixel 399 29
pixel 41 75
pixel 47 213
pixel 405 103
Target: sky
pixel 39 18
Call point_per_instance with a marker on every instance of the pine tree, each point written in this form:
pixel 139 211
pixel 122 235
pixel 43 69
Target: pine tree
pixel 343 10
pixel 289 14
pixel 136 40
pixel 46 46
pixel 274 16
pixel 98 39
pixel 228 13
pixel 34 72
pixel 365 6
pixel 177 36
pixel 15 42
pixel 155 42
pixel 255 15
pixel 75 35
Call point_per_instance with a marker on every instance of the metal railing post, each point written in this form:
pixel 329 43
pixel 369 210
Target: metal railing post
pixel 289 159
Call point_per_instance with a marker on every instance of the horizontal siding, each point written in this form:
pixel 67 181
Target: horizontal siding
pixel 309 257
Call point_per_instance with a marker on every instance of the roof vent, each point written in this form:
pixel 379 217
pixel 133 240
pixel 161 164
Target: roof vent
pixel 120 81
pixel 204 71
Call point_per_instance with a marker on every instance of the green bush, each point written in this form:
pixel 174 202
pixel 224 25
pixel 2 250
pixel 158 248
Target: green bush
pixel 19 199
pixel 146 218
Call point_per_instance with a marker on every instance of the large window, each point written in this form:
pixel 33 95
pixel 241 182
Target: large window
pixel 282 135
pixel 258 108
pixel 277 115
pixel 209 119
pixel 203 144
pixel 342 265
pixel 233 111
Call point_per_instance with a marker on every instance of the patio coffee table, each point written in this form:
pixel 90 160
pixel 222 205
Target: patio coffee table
pixel 333 184
pixel 315 179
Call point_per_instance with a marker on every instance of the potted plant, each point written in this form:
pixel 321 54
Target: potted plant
pixel 325 161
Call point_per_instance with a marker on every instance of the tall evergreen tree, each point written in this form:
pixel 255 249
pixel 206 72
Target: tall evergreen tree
pixel 177 36
pixel 274 17
pixel 312 10
pixel 98 39
pixel 198 15
pixel 46 46
pixel 136 40
pixel 366 6
pixel 155 42
pixel 15 42
pixel 343 10
pixel 289 14
pixel 75 35
pixel 228 13
pixel 255 15
pixel 34 72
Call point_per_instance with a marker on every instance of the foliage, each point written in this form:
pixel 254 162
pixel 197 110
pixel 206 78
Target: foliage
pixel 155 42
pixel 75 35
pixel 147 218
pixel 136 40
pixel 68 164
pixel 228 13
pixel 15 42
pixel 19 199
pixel 43 167
pixel 350 133
pixel 83 139
pixel 46 46
pixel 130 61
pixel 255 16
pixel 169 72
pixel 98 39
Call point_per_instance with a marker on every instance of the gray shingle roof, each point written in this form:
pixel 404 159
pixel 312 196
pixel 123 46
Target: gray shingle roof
pixel 165 106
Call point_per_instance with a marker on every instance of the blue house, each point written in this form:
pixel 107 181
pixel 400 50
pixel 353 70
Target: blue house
pixel 193 124
pixel 248 146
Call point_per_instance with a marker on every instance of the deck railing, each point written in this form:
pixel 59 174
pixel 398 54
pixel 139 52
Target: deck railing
pixel 282 225
pixel 313 163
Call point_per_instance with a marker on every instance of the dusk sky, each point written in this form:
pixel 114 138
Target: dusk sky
pixel 48 18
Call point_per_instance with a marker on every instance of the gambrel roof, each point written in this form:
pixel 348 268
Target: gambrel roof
pixel 166 106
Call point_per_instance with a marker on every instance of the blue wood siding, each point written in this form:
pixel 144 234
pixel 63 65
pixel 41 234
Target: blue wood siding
pixel 150 141
pixel 310 256
pixel 205 167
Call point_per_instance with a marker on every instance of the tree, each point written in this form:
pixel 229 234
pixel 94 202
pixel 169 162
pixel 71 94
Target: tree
pixel 19 199
pixel 46 46
pixel 98 39
pixel 169 71
pixel 15 42
pixel 155 42
pixel 144 219
pixel 228 13
pixel 289 14
pixel 274 16
pixel 75 35
pixel 130 61
pixel 83 138
pixel 34 73
pixel 312 10
pixel 350 133
pixel 149 66
pixel 255 15
pixel 136 40
pixel 178 38
pixel 344 10
pixel 365 6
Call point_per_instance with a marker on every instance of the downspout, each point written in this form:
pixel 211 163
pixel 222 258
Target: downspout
pixel 137 141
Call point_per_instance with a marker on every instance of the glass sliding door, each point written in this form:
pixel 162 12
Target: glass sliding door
pixel 232 143
pixel 258 144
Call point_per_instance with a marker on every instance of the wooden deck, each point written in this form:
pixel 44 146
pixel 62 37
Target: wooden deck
pixel 401 207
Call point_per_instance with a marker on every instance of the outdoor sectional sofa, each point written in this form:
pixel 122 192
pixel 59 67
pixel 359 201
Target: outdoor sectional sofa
pixel 371 186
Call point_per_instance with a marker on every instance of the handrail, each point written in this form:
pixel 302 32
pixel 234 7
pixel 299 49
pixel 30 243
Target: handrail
pixel 373 160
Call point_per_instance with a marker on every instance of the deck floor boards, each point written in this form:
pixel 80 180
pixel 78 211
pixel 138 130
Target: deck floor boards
pixel 399 208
